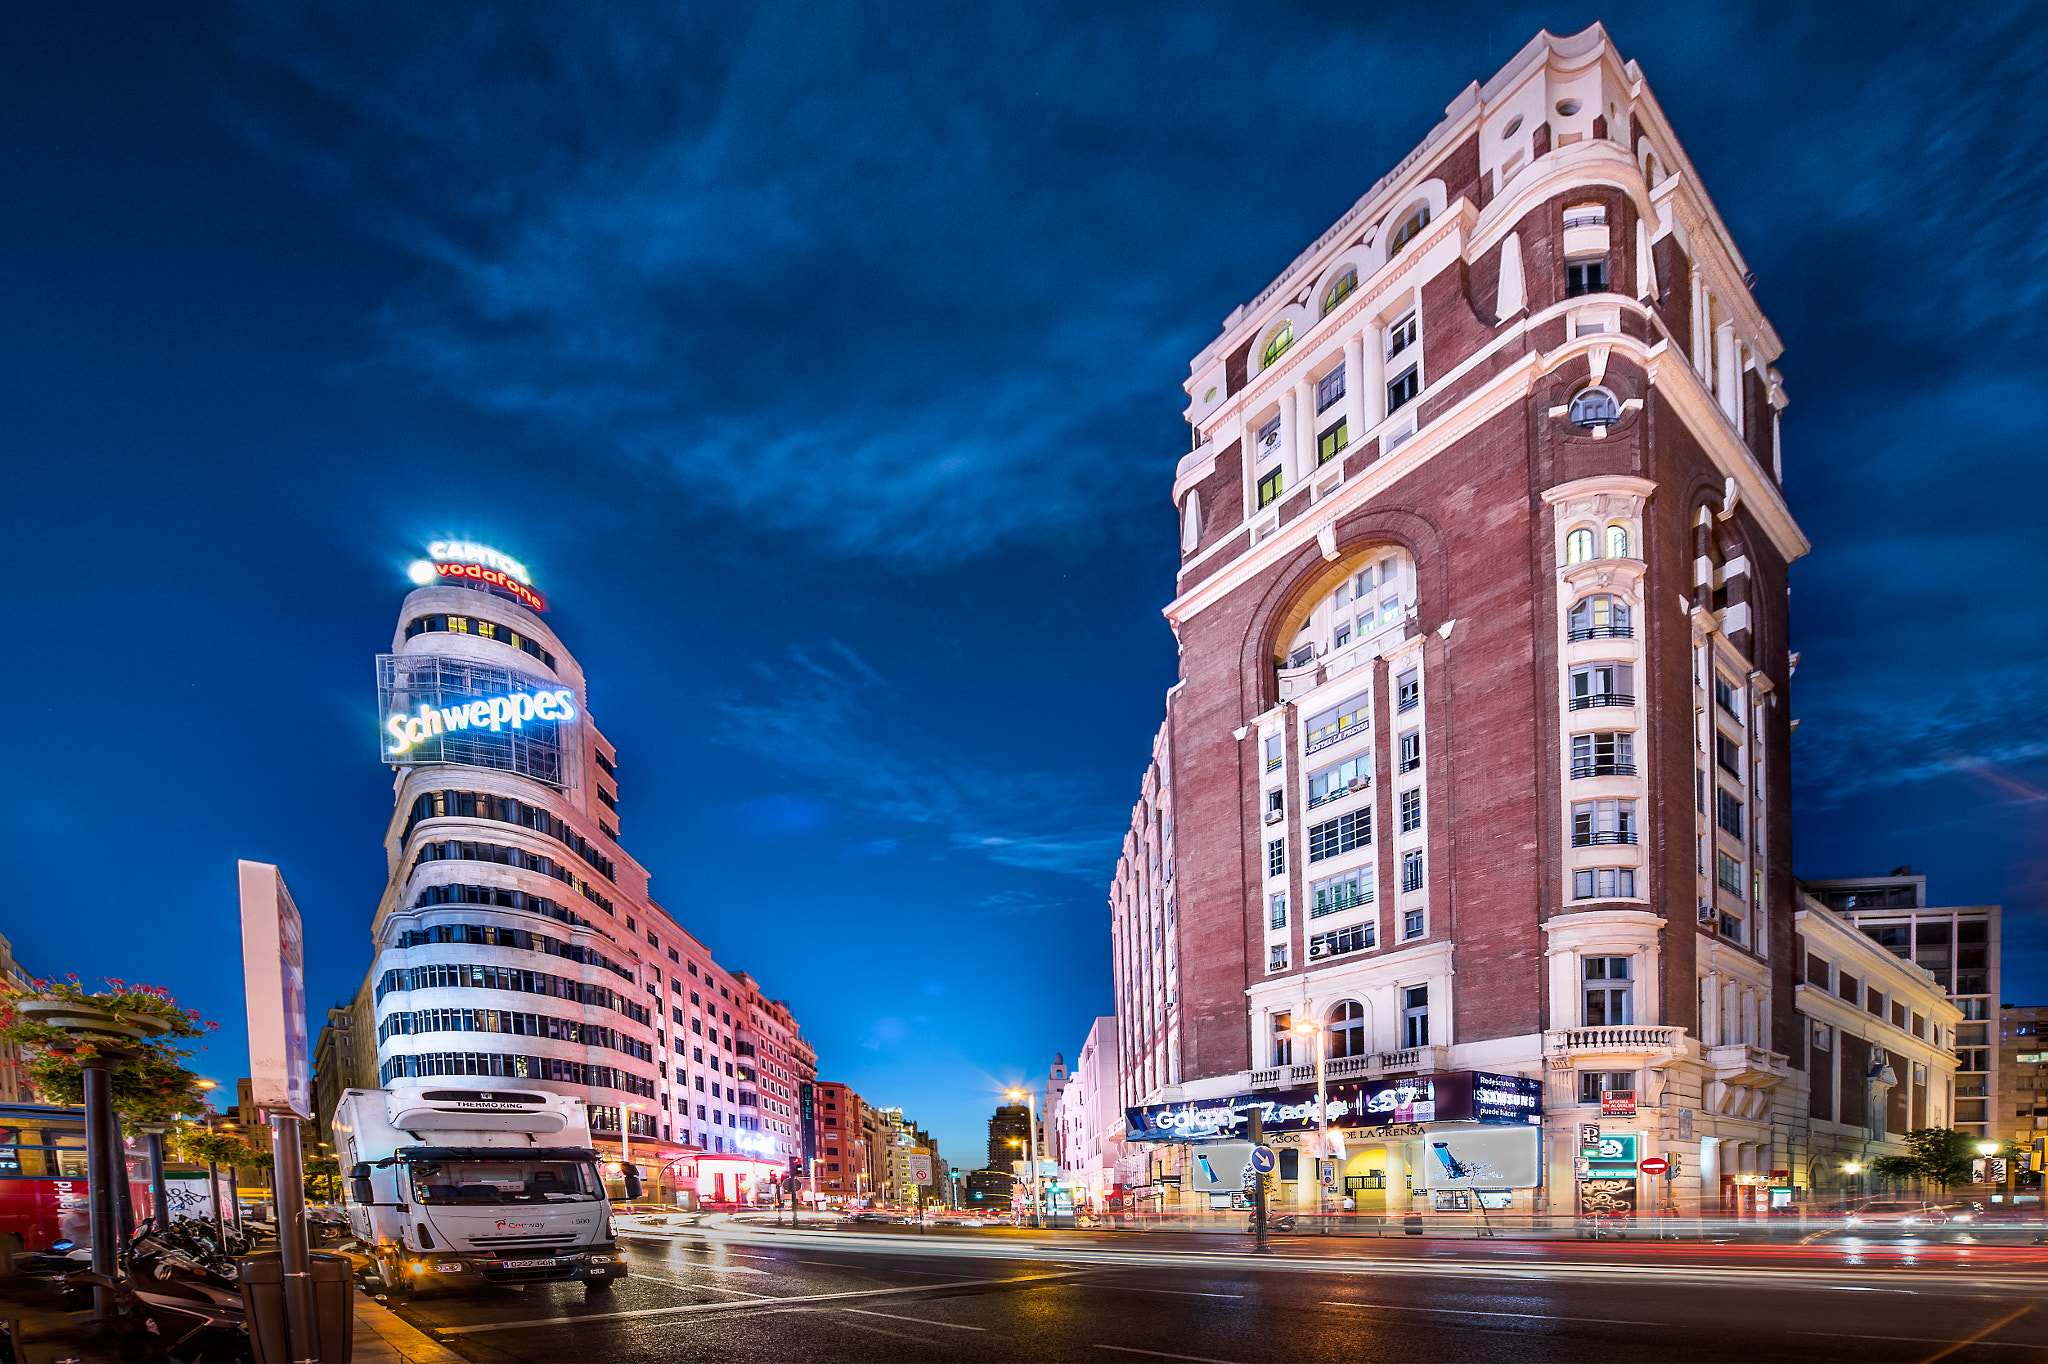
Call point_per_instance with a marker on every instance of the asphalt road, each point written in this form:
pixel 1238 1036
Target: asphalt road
pixel 756 1294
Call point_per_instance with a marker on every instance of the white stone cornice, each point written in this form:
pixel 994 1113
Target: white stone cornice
pixel 1680 384
pixel 1583 489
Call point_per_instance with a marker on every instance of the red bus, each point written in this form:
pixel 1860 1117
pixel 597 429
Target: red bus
pixel 42 1175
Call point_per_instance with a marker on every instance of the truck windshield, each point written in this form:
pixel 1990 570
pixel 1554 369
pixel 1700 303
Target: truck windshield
pixel 489 1182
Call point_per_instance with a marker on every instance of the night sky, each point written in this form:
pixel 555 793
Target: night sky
pixel 823 364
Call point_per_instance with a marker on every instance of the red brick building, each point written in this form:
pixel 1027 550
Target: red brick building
pixel 841 1146
pixel 1478 759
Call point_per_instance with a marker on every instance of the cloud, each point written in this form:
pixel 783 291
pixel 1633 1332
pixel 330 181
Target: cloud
pixel 1010 903
pixel 834 720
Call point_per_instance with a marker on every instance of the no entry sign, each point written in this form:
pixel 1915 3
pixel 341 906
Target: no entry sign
pixel 1654 1165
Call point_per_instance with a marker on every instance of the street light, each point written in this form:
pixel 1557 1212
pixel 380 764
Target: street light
pixel 1031 1130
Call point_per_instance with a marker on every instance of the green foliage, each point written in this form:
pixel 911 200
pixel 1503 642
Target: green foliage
pixel 149 1082
pixel 202 1147
pixel 1934 1155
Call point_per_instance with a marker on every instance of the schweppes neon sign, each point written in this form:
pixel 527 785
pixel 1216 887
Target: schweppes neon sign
pixel 491 713
pixel 479 564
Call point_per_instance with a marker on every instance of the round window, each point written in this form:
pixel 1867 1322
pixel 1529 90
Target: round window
pixel 1514 126
pixel 1567 107
pixel 1595 407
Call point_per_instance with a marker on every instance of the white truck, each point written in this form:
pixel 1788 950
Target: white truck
pixel 457 1188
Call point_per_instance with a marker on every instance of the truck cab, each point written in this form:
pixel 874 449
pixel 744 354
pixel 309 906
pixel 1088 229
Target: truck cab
pixel 452 1189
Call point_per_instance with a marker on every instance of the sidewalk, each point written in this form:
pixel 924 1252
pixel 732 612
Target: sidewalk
pixel 383 1337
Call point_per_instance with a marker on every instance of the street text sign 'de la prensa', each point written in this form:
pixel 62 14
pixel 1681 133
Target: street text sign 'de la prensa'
pixel 274 980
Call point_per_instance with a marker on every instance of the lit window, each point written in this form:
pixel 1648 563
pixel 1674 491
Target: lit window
pixel 1333 440
pixel 1339 290
pixel 1617 542
pixel 1408 231
pixel 1277 344
pixel 1595 407
pixel 1578 546
pixel 1269 488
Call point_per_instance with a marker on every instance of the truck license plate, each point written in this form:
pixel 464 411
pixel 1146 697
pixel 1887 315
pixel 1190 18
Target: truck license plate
pixel 529 1264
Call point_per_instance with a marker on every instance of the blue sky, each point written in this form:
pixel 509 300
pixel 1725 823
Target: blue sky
pixel 823 363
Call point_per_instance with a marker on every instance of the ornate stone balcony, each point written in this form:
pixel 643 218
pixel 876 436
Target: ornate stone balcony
pixel 1747 1067
pixel 1624 1039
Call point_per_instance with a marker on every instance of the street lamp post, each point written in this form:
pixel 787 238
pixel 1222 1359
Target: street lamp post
pixel 1031 1134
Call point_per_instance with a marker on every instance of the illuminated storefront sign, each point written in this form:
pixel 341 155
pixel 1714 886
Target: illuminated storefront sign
pixel 491 713
pixel 1462 1096
pixel 478 564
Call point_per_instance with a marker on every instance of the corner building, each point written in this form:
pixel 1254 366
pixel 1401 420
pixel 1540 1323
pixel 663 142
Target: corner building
pixel 517 941
pixel 1478 757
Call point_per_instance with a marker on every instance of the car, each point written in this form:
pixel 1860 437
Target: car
pixel 1897 1216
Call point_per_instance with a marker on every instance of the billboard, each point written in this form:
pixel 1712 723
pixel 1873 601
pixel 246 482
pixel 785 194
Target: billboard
pixel 436 709
pixel 1500 1157
pixel 1460 1096
pixel 274 980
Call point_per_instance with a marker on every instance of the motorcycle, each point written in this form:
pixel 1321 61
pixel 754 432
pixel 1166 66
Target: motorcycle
pixel 183 1289
pixel 1274 1222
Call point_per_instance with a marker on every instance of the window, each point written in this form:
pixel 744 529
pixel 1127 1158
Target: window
pixel 1602 684
pixel 1728 811
pixel 1412 924
pixel 1338 781
pixel 1329 389
pixel 1411 869
pixel 1352 829
pixel 1407 690
pixel 1604 883
pixel 1617 542
pixel 1333 894
pixel 1276 857
pixel 1342 635
pixel 1283 1039
pixel 1580 277
pixel 1401 336
pixel 1273 742
pixel 1415 1016
pixel 1347 1029
pixel 1873 1001
pixel 1356 938
pixel 1339 290
pixel 1327 727
pixel 1600 616
pixel 1276 957
pixel 1411 750
pixel 1585 215
pixel 1728 755
pixel 1730 874
pixel 1276 801
pixel 1594 407
pixel 1277 344
pixel 1594 1083
pixel 1724 696
pixel 1411 810
pixel 1578 546
pixel 504 634
pixel 1277 910
pixel 1607 991
pixel 1603 821
pixel 1268 439
pixel 1401 390
pixel 1408 231
pixel 1604 753
pixel 1269 488
pixel 1333 440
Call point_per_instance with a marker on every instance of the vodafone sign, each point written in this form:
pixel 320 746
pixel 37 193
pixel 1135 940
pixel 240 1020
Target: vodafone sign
pixel 479 564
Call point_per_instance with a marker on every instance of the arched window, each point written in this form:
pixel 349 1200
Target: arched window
pixel 1408 231
pixel 1277 344
pixel 1600 616
pixel 1578 546
pixel 1617 542
pixel 1347 1029
pixel 1339 290
pixel 1595 407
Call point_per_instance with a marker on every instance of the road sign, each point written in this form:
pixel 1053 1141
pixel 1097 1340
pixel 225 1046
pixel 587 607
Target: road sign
pixel 1655 1165
pixel 920 1167
pixel 1589 1133
pixel 1263 1160
pixel 274 984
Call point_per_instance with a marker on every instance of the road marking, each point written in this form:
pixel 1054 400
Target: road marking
pixel 876 1330
pixel 1177 1292
pixel 699 1287
pixel 921 1321
pixel 692 1309
pixel 1994 1326
pixel 1467 1312
pixel 1919 1340
pixel 1161 1354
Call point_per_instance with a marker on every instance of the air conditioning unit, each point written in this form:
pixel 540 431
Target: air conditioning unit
pixel 1275 816
pixel 1707 914
pixel 1318 949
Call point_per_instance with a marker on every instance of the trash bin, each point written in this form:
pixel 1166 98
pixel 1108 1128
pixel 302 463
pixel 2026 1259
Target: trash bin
pixel 1411 1224
pixel 333 1306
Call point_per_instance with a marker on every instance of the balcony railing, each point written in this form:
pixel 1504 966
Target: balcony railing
pixel 1603 698
pixel 1372 1065
pixel 1600 836
pixel 1262 1078
pixel 1600 769
pixel 1584 632
pixel 1627 1037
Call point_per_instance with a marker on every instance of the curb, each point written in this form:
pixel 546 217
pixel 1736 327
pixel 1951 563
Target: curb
pixel 384 1337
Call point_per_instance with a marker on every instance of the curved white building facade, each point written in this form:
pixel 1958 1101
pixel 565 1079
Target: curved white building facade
pixel 517 943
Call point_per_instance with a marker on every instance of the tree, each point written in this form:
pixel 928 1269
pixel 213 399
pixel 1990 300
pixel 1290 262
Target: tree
pixel 1933 1155
pixel 149 1082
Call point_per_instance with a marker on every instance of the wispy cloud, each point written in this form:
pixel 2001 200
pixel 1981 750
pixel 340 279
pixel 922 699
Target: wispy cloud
pixel 832 719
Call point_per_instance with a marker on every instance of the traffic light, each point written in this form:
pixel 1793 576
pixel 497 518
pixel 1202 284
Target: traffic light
pixel 796 1165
